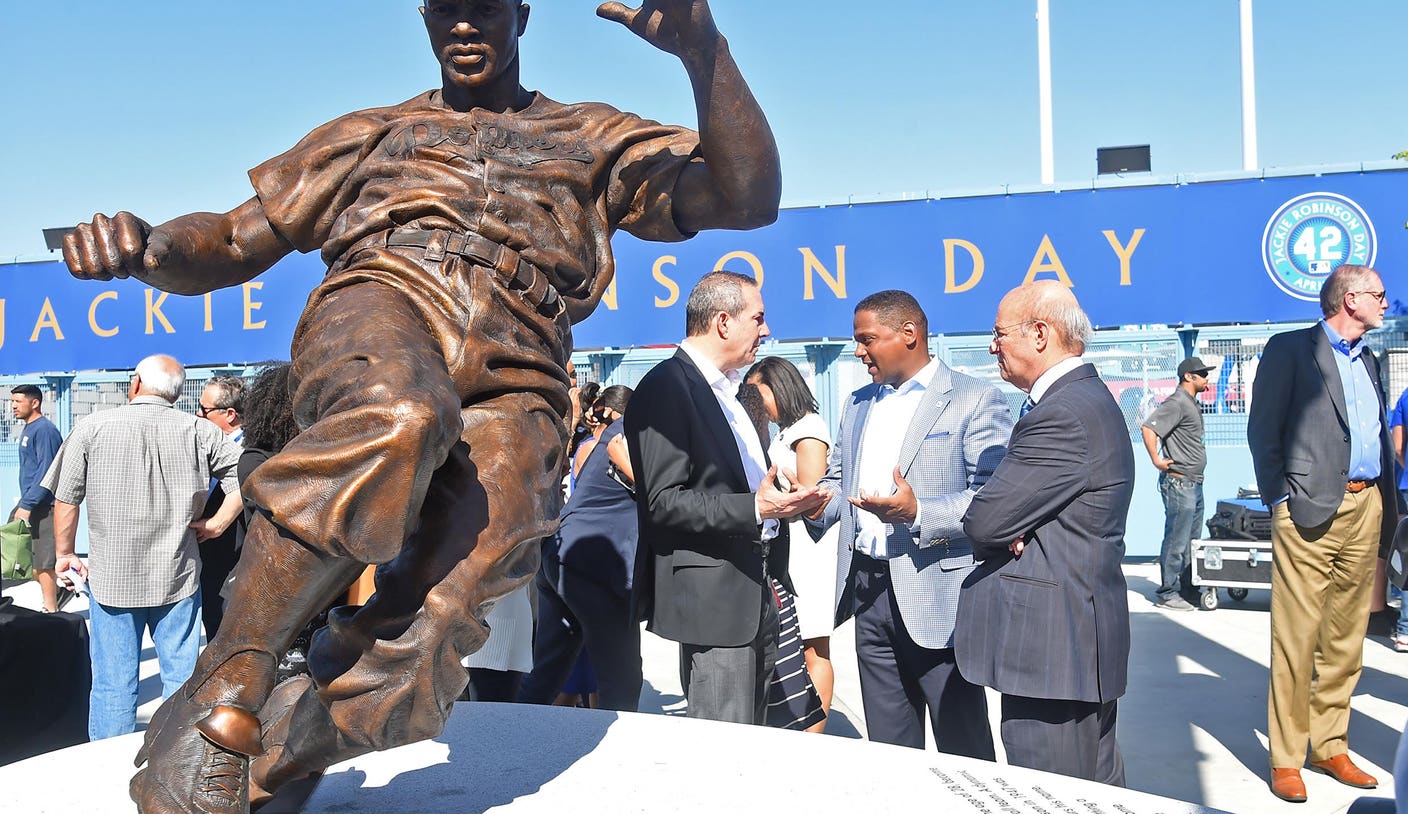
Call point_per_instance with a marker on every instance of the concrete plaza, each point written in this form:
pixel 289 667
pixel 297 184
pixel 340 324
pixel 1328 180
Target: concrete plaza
pixel 1192 727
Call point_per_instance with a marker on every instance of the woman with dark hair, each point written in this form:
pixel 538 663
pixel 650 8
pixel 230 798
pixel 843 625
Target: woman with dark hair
pixel 268 426
pixel 801 446
pixel 584 581
pixel 584 432
pixel 608 406
pixel 792 698
pixel 268 421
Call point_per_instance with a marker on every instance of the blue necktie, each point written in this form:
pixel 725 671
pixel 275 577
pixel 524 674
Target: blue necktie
pixel 1026 407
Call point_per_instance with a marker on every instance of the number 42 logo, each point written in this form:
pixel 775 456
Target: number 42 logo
pixel 1310 236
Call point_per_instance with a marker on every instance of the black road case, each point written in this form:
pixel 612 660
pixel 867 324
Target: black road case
pixel 1237 565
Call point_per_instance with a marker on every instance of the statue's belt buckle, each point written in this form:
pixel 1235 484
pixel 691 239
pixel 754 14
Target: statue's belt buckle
pixel 508 265
pixel 530 284
pixel 435 246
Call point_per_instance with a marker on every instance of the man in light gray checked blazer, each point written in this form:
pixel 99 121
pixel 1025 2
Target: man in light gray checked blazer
pixel 912 449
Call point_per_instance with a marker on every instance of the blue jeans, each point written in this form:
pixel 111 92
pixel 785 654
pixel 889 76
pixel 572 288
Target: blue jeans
pixel 1183 514
pixel 115 646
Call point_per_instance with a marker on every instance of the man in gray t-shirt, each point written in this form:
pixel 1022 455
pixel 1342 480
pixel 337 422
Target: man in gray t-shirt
pixel 1178 424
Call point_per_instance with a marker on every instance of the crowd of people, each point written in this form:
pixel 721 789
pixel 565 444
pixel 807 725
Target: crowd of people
pixel 972 551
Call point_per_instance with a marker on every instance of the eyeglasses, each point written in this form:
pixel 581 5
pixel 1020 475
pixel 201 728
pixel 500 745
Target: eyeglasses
pixel 204 411
pixel 999 332
pixel 1377 295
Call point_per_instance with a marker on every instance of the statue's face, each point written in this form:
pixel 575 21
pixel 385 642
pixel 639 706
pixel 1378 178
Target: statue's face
pixel 474 40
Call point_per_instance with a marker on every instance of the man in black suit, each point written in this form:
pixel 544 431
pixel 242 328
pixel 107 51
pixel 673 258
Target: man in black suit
pixel 1322 456
pixel 1044 619
pixel 709 504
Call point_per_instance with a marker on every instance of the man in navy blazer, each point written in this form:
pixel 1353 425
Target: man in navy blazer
pixel 1324 464
pixel 1044 619
pixel 913 448
pixel 708 505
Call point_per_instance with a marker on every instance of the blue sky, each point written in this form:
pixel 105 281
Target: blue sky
pixel 161 107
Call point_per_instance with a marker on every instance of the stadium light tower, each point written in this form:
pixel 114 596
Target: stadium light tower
pixel 1043 60
pixel 1249 160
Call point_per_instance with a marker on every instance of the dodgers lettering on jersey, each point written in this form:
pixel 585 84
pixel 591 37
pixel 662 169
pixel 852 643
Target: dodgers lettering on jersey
pixel 551 181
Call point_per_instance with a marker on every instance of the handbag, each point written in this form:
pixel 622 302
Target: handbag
pixel 1398 555
pixel 16 551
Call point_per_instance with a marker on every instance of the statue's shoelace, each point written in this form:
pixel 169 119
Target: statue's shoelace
pixel 223 778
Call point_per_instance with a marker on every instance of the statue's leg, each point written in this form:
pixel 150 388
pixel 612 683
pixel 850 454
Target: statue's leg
pixel 388 673
pixel 381 413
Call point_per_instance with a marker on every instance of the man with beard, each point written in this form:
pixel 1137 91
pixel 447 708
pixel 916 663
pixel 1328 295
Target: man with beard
pixel 1177 423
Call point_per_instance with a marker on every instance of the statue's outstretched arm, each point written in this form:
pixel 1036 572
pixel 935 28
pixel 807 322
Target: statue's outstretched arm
pixel 739 183
pixel 191 254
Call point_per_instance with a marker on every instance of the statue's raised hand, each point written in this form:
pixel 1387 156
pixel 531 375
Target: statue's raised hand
pixel 676 27
pixel 120 246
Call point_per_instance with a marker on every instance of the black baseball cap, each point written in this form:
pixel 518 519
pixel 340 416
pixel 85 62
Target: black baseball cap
pixel 1193 365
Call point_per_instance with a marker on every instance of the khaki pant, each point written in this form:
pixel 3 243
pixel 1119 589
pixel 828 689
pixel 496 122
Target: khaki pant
pixel 1321 581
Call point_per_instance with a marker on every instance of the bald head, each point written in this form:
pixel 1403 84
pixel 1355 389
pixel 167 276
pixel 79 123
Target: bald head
pixel 159 375
pixel 1038 325
pixel 1054 304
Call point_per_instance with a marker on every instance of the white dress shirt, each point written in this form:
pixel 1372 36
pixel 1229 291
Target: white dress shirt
pixel 1050 377
pixel 886 424
pixel 750 446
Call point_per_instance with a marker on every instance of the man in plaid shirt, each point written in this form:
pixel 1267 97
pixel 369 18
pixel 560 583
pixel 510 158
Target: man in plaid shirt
pixel 144 470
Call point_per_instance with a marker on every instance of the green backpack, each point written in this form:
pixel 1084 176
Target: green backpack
pixel 16 554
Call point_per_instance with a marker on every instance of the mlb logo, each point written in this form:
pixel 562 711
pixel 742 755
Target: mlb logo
pixel 1321 267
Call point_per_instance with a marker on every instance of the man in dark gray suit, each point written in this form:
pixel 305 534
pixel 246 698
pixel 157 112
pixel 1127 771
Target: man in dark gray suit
pixel 1322 456
pixel 708 505
pixel 1044 618
pixel 913 448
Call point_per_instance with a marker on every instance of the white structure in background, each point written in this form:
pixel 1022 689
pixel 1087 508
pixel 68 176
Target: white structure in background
pixel 1249 161
pixel 1043 62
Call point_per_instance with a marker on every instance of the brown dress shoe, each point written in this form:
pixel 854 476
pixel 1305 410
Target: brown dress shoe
pixel 1343 769
pixel 1286 784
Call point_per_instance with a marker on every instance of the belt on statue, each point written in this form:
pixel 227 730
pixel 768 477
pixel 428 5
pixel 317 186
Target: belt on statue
pixel 1354 487
pixel 517 273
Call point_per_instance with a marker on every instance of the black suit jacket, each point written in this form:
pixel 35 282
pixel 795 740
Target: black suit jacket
pixel 1299 432
pixel 699 566
pixel 1054 622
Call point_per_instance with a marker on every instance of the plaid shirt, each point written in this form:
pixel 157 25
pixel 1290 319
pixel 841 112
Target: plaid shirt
pixel 145 469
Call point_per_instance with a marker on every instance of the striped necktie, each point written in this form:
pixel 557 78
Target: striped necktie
pixel 1026 407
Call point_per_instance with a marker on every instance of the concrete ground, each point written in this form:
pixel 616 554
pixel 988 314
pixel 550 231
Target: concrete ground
pixel 1192 727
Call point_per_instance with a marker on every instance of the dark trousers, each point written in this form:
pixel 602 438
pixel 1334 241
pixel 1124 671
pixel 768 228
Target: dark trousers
pixel 493 685
pixel 1074 738
pixel 217 559
pixel 899 679
pixel 590 614
pixel 730 683
pixel 1183 521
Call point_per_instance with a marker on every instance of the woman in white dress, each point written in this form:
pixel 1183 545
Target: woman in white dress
pixel 801 446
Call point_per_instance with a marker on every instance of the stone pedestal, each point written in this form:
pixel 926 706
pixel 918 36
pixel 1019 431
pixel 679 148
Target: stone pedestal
pixel 519 758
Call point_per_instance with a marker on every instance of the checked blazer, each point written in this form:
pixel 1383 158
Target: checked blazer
pixel 957 437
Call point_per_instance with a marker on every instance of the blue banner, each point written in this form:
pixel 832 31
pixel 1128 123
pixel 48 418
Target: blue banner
pixel 1233 251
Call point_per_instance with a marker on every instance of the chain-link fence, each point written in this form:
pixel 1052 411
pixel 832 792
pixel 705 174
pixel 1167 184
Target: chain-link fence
pixel 1138 365
pixel 68 400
